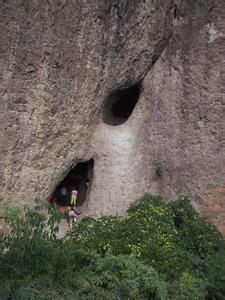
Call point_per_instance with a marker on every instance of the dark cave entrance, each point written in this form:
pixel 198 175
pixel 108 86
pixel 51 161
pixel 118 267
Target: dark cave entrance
pixel 120 105
pixel 80 179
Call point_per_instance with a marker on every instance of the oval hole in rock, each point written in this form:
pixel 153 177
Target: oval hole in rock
pixel 120 105
pixel 79 178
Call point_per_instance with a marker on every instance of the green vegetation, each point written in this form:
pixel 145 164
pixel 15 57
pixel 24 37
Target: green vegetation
pixel 159 168
pixel 159 251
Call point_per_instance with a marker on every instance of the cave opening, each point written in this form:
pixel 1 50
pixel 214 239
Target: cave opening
pixel 80 179
pixel 120 105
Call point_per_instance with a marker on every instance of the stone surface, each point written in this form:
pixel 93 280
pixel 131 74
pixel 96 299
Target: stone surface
pixel 60 60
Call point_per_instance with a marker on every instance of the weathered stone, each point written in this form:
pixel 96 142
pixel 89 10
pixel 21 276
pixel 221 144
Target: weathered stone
pixel 59 63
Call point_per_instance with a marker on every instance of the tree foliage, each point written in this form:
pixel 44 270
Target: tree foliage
pixel 158 251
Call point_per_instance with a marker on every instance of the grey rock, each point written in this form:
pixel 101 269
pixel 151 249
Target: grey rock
pixel 61 60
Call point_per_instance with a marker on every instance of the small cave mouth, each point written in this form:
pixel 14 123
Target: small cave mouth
pixel 120 104
pixel 80 179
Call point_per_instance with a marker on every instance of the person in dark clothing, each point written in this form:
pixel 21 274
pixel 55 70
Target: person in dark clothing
pixel 63 196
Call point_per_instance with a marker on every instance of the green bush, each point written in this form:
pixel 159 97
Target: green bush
pixel 215 275
pixel 158 251
pixel 120 277
pixel 195 234
pixel 188 287
pixel 170 237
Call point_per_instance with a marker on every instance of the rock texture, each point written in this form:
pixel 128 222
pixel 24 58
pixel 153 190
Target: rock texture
pixel 59 62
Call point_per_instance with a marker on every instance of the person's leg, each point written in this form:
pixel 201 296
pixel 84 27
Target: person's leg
pixel 73 201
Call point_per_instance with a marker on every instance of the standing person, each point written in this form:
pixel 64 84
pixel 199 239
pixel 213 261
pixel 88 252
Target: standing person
pixel 63 196
pixel 72 216
pixel 73 200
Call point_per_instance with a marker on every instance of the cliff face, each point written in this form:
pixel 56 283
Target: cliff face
pixel 62 66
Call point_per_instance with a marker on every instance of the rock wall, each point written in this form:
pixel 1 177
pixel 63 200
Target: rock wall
pixel 187 109
pixel 59 62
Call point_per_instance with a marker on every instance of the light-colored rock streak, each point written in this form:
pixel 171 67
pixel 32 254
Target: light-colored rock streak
pixel 114 162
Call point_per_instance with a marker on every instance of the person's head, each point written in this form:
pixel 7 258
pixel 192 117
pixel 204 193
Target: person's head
pixel 74 192
pixel 63 191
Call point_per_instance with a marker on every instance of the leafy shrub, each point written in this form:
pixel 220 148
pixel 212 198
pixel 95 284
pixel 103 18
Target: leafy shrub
pixel 159 251
pixel 215 275
pixel 195 234
pixel 149 233
pixel 188 287
pixel 120 277
pixel 171 237
pixel 98 234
